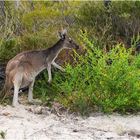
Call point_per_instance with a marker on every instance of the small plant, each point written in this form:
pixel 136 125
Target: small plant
pixel 6 47
pixel 2 134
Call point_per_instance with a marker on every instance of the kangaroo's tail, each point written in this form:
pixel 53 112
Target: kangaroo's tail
pixel 2 94
pixel 5 90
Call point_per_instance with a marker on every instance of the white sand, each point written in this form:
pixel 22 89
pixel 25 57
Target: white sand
pixel 22 123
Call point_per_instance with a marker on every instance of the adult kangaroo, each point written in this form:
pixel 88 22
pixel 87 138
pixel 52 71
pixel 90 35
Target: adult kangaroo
pixel 22 70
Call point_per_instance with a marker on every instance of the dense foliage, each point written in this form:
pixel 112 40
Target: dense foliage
pixel 32 25
pixel 106 75
pixel 117 22
pixel 99 81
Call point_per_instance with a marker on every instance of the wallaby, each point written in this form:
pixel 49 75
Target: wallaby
pixel 22 70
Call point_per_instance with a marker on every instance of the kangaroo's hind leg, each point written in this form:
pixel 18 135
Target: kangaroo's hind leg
pixel 17 81
pixel 30 92
pixel 30 95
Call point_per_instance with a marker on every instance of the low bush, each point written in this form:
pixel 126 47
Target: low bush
pixel 8 48
pixel 99 81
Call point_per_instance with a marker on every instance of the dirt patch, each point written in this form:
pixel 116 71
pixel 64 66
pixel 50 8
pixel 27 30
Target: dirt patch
pixel 39 123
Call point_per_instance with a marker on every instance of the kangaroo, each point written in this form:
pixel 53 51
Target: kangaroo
pixel 22 70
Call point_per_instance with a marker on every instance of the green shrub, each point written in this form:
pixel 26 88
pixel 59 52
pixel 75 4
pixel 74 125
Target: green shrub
pixel 119 22
pixel 105 81
pixel 9 48
pixel 34 41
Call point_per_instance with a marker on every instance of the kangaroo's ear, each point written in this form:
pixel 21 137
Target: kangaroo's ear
pixel 63 34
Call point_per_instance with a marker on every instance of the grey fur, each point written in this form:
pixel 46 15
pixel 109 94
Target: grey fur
pixel 24 67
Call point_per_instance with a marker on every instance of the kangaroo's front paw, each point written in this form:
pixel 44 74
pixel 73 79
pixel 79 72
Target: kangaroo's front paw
pixel 63 70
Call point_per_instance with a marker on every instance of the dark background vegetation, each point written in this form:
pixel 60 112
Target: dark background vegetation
pixel 103 74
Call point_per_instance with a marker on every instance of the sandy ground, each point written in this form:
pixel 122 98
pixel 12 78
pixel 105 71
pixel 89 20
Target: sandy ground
pixel 31 122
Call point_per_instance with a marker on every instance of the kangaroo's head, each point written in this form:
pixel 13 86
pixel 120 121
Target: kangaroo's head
pixel 68 42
